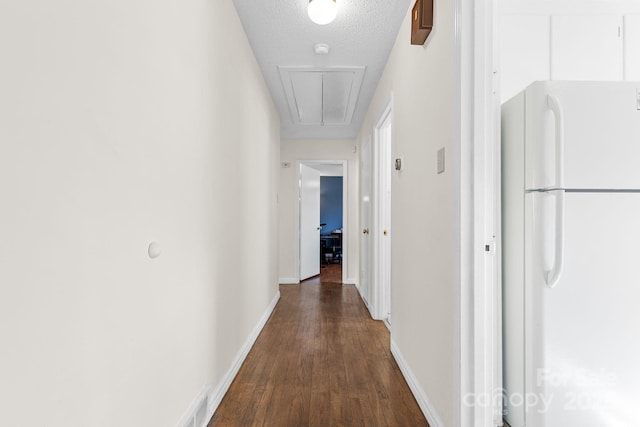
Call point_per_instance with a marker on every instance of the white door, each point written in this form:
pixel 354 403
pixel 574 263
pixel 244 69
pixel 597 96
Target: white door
pixel 365 220
pixel 382 217
pixel 385 261
pixel 309 222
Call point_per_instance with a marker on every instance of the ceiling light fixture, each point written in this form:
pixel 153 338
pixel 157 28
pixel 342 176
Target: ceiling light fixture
pixel 322 12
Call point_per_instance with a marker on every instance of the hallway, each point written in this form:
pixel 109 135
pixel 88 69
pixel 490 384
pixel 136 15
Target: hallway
pixel 320 361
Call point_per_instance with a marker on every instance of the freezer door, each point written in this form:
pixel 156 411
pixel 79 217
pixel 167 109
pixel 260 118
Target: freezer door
pixel 582 336
pixel 583 135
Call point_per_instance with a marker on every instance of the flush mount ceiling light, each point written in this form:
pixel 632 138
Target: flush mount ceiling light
pixel 322 12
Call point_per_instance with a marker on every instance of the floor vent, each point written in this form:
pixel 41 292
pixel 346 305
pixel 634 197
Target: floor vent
pixel 198 414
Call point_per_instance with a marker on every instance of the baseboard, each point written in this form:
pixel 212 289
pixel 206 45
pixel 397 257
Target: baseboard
pixel 364 300
pixel 223 386
pixel 429 412
pixel 288 281
pixel 351 282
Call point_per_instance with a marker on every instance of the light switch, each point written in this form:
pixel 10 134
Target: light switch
pixel 441 160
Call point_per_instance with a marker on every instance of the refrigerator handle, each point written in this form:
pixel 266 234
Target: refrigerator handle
pixel 554 106
pixel 554 274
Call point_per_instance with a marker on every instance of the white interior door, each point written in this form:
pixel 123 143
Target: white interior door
pixel 385 210
pixel 309 222
pixel 381 232
pixel 365 220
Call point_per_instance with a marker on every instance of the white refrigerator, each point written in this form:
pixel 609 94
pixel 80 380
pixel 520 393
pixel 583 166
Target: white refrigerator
pixel 571 255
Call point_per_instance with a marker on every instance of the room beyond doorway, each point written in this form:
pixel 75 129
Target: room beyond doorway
pixel 331 224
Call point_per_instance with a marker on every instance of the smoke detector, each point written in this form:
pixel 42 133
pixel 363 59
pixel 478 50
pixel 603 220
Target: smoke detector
pixel 321 49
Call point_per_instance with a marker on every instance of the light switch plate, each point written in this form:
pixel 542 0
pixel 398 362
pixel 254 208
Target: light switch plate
pixel 441 160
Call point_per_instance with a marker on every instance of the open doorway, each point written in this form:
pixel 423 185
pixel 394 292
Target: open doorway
pixel 322 210
pixel 331 226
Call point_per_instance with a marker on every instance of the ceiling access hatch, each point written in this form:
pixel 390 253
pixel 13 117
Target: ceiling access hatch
pixel 321 96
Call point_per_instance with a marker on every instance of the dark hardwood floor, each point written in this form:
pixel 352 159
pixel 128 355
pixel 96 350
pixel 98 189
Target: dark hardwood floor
pixel 320 361
pixel 330 273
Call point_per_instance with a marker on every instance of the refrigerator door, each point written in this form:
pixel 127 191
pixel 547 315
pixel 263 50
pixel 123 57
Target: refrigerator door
pixel 582 336
pixel 582 135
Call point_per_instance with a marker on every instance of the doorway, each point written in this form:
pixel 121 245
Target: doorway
pixel 323 218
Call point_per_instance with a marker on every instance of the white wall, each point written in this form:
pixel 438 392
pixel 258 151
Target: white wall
pixel 124 122
pixel 421 79
pixel 291 151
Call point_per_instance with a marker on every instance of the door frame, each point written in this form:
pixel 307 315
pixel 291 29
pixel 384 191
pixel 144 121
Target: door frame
pixel 380 295
pixel 345 210
pixel 365 287
pixel 478 302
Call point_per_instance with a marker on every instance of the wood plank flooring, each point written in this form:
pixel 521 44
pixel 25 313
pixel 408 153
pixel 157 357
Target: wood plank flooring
pixel 330 273
pixel 320 361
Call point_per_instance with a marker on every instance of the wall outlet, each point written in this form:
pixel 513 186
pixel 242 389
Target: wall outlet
pixel 441 160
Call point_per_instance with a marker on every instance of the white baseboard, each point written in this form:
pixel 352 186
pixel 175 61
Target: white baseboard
pixel 223 386
pixel 429 412
pixel 351 282
pixel 288 281
pixel 364 300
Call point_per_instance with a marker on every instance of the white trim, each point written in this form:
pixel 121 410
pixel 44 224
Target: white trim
pixel 345 219
pixel 351 281
pixel 477 296
pixel 222 388
pixel 487 360
pixel 288 281
pixel 364 300
pixel 425 404
pixel 463 188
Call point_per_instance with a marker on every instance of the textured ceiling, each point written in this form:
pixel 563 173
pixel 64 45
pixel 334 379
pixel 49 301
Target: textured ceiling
pixel 282 35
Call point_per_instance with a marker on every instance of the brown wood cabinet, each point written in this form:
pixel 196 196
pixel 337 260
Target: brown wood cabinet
pixel 422 21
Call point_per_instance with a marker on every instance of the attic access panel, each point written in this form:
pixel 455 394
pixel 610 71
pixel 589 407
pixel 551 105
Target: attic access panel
pixel 322 95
